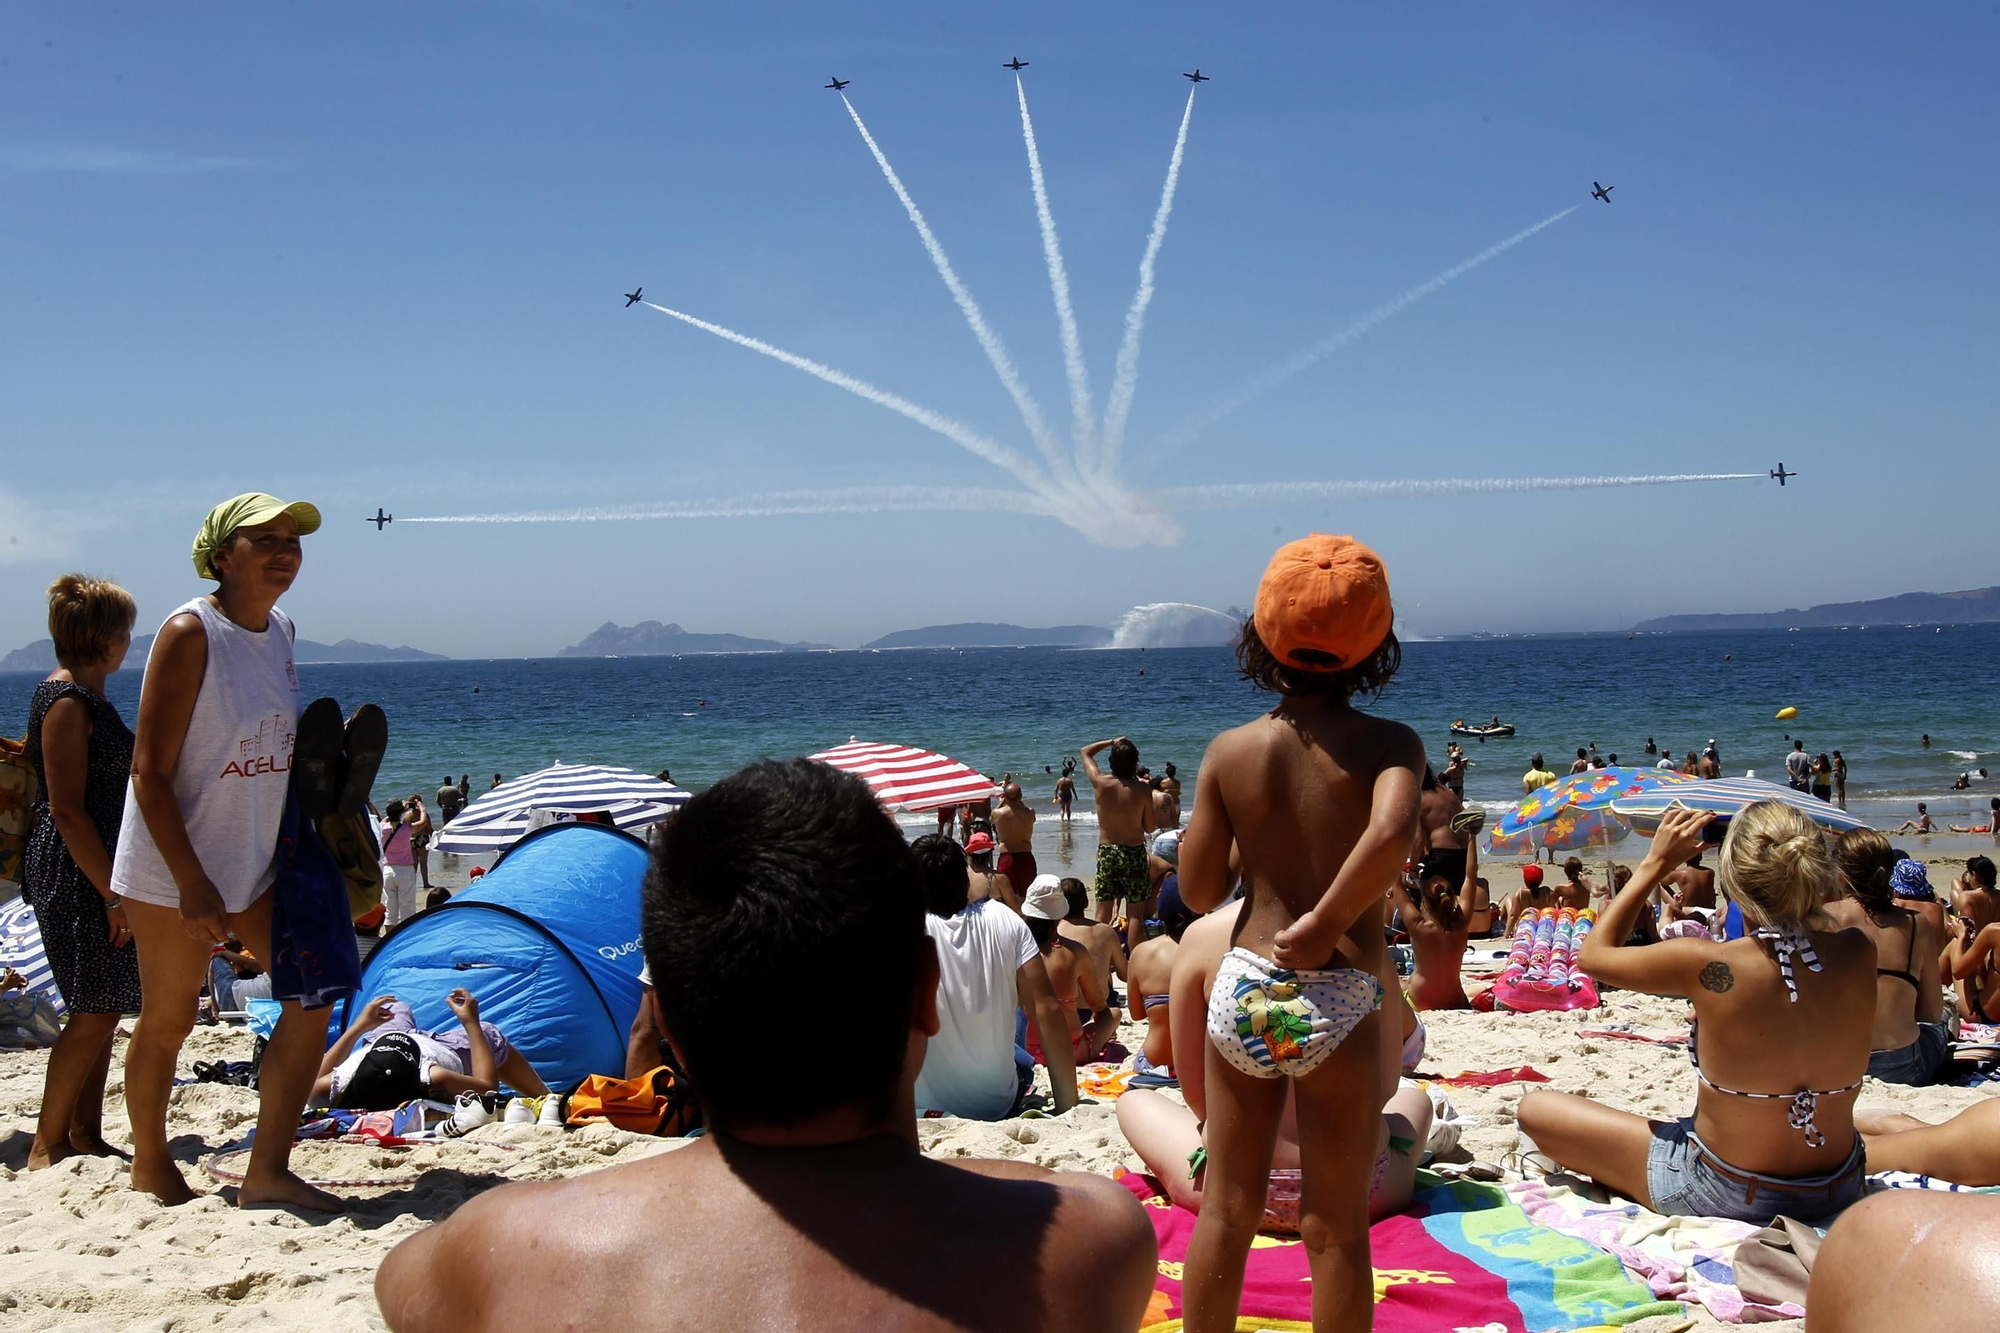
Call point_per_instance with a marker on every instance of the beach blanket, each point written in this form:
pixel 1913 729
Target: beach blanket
pixel 1681 1258
pixel 1494 1079
pixel 1463 1257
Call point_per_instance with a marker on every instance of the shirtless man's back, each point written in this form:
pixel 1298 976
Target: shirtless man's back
pixel 1014 828
pixel 1124 817
pixel 812 1169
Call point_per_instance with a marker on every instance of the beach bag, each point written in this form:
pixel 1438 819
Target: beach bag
pixel 19 789
pixel 658 1102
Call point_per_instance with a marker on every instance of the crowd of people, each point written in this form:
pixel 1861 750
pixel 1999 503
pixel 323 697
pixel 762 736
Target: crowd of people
pixel 1253 941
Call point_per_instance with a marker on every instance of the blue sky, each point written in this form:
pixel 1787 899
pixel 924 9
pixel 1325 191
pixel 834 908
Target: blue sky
pixel 364 255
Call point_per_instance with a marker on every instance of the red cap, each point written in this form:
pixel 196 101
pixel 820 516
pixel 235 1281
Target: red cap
pixel 477 871
pixel 977 843
pixel 1531 876
pixel 1325 595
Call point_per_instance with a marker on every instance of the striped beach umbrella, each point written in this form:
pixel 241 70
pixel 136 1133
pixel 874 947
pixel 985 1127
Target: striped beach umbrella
pixel 1727 796
pixel 500 818
pixel 21 949
pixel 906 778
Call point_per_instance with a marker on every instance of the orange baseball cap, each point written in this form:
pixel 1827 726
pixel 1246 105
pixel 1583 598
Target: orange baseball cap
pixel 1327 595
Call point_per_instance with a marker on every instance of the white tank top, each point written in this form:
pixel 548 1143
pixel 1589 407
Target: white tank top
pixel 234 768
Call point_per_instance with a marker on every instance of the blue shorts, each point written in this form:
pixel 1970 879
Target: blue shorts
pixel 1687 1179
pixel 1915 1065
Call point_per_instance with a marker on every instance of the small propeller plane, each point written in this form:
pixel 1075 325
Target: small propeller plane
pixel 381 520
pixel 1197 76
pixel 838 83
pixel 1017 64
pixel 1780 475
pixel 632 296
pixel 1601 191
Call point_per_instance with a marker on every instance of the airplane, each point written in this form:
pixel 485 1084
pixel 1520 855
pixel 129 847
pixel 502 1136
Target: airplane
pixel 1601 191
pixel 1197 76
pixel 381 519
pixel 631 296
pixel 1781 474
pixel 1017 64
pixel 838 83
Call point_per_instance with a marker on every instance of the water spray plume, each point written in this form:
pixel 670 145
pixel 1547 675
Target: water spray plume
pixel 855 500
pixel 1021 468
pixel 1081 411
pixel 1125 381
pixel 996 351
pixel 1271 378
pixel 1252 495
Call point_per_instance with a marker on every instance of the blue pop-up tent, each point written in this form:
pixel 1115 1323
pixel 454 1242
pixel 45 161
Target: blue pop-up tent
pixel 547 942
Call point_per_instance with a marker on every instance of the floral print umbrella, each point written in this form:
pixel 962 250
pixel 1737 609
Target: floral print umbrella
pixel 1575 811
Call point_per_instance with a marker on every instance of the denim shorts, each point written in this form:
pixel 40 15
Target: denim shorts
pixel 1687 1179
pixel 1917 1064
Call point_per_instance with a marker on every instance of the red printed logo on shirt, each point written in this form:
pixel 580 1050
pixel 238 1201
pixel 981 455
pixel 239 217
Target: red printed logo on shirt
pixel 269 751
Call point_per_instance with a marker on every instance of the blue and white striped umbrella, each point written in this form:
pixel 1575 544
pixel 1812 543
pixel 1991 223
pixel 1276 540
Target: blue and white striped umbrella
pixel 21 949
pixel 1728 796
pixel 500 818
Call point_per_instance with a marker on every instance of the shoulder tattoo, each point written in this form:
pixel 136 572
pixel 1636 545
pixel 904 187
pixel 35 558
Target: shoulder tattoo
pixel 1717 977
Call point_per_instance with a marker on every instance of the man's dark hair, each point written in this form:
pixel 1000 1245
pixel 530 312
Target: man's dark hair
pixel 1582 753
pixel 1537 760
pixel 788 875
pixel 447 780
pixel 940 866
pixel 1077 894
pixel 1258 665
pixel 1124 760
pixel 1982 870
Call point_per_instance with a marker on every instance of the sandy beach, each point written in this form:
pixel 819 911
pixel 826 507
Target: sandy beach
pixel 85 1253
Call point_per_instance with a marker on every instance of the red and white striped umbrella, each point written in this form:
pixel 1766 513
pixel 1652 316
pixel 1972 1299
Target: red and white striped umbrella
pixel 904 778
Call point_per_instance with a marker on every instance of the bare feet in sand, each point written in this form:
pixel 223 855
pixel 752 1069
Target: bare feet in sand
pixel 41 1158
pixel 164 1183
pixel 285 1190
pixel 93 1145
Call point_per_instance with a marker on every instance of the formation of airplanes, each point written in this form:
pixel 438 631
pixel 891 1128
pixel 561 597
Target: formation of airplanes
pixel 1017 65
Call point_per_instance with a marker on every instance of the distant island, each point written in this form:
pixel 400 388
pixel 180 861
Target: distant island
pixel 41 654
pixel 649 638
pixel 1911 608
pixel 984 635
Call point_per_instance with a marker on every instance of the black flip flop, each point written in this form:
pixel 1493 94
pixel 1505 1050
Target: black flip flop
pixel 367 741
pixel 316 758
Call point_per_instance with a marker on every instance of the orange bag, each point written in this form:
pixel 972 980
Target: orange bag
pixel 658 1102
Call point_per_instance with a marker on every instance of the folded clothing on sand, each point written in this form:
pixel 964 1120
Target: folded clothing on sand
pixel 1462 1256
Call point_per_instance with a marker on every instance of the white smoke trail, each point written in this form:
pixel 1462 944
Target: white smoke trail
pixel 1271 378
pixel 1126 381
pixel 1022 468
pixel 1254 494
pixel 853 500
pixel 996 351
pixel 1082 414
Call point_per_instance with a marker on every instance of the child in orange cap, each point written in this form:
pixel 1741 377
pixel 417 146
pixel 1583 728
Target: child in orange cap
pixel 1320 802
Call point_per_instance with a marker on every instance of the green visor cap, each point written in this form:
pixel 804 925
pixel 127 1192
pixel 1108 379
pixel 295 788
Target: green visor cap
pixel 245 511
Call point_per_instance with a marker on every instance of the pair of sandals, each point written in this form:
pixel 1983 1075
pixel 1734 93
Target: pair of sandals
pixel 334 760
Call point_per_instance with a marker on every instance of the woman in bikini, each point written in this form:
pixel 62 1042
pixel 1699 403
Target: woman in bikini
pixel 1321 803
pixel 1780 1046
pixel 1909 1041
pixel 1438 914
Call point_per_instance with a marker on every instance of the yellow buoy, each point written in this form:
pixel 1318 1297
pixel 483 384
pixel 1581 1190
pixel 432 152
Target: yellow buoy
pixel 1787 714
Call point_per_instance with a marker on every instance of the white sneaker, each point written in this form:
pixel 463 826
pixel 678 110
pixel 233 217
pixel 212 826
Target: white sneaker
pixel 551 1114
pixel 519 1112
pixel 469 1115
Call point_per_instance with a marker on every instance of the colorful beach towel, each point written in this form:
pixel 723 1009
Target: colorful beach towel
pixel 1103 1080
pixel 1463 1257
pixel 1681 1258
pixel 1496 1078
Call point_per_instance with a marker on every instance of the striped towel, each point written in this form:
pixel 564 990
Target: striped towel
pixel 21 949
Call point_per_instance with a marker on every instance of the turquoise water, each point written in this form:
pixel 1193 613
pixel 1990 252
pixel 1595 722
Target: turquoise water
pixel 1870 693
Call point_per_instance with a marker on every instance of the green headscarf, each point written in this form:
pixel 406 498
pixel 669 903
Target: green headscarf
pixel 244 511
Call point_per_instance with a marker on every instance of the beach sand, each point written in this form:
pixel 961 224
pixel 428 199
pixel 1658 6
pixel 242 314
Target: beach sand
pixel 83 1252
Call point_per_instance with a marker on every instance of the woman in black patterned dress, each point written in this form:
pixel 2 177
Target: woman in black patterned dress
pixel 82 752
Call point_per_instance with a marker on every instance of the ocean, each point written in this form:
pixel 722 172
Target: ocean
pixel 1870 693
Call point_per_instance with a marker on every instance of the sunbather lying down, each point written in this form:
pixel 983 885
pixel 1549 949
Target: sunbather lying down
pixel 384 1059
pixel 1964 1149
